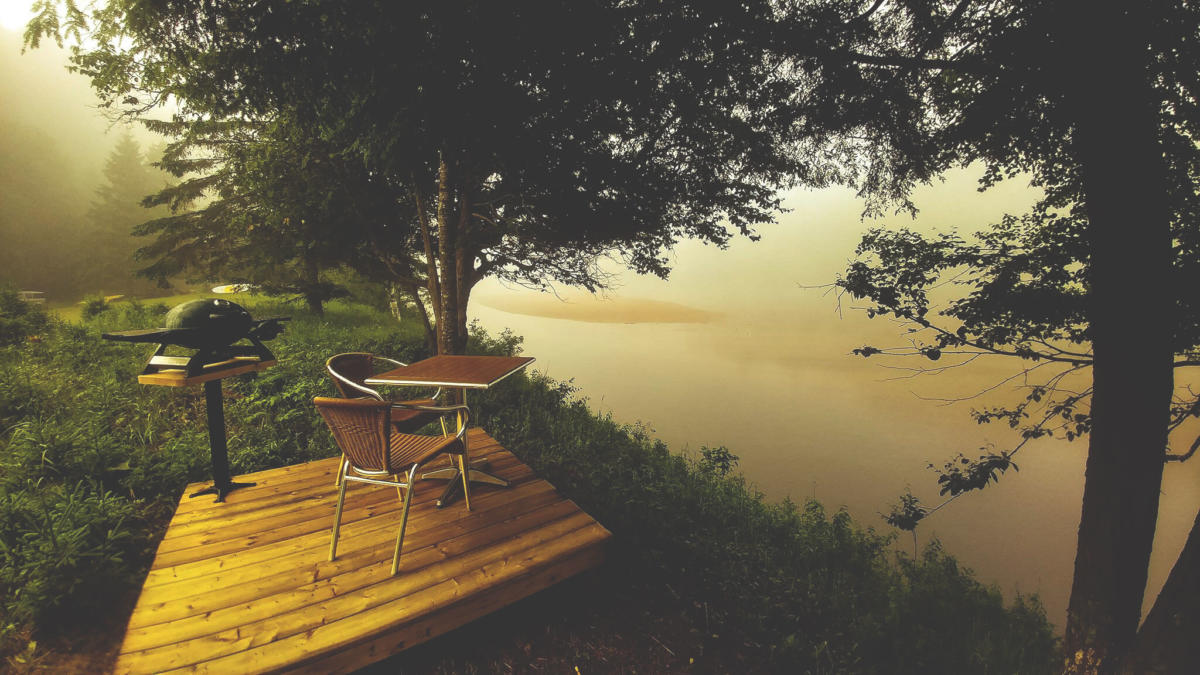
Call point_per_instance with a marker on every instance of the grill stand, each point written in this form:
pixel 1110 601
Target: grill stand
pixel 214 404
pixel 166 376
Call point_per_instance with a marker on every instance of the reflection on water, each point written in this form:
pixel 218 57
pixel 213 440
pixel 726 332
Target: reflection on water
pixel 763 367
pixel 594 309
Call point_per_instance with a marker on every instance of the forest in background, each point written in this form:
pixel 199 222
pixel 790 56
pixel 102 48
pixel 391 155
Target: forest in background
pixel 72 182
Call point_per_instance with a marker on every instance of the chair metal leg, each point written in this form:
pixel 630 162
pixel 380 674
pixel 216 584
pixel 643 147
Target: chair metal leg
pixel 412 474
pixel 337 521
pixel 466 479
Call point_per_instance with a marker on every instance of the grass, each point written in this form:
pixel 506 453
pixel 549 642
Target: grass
pixel 703 575
pixel 73 311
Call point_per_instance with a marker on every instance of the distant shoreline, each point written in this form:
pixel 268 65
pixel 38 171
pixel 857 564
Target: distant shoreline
pixel 596 310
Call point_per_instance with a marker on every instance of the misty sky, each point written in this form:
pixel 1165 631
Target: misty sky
pixel 14 14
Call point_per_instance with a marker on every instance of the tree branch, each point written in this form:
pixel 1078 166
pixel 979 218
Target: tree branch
pixel 1185 456
pixel 867 14
pixel 1002 352
pixel 969 67
pixel 431 273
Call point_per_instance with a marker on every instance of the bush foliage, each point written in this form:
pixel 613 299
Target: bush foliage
pixel 92 464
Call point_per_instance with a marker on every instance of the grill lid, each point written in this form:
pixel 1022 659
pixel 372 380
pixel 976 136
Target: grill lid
pixel 205 324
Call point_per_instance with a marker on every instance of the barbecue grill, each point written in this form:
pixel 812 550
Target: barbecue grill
pixel 212 328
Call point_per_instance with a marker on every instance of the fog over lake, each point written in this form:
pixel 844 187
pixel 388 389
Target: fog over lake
pixel 738 349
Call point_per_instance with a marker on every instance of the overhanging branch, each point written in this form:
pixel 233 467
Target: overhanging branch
pixel 1185 456
pixel 969 67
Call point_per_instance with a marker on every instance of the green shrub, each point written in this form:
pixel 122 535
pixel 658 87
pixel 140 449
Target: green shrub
pixel 93 306
pixel 63 546
pixel 19 320
pixel 936 605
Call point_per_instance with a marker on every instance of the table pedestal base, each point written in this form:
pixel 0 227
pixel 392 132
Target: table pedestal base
pixel 475 473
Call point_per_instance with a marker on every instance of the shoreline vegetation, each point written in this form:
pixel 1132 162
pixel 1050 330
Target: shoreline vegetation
pixel 703 575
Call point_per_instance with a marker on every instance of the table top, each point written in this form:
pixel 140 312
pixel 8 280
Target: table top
pixel 446 370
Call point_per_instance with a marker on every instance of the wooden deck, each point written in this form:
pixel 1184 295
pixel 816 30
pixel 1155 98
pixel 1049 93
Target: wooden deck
pixel 246 586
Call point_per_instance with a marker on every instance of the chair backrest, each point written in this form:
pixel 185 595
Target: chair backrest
pixel 362 428
pixel 348 372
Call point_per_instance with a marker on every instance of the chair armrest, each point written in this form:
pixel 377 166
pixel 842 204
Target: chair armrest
pixel 412 402
pixel 352 384
pixel 434 396
pixel 432 408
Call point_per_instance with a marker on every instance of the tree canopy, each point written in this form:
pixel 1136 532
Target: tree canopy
pixel 259 202
pixel 527 140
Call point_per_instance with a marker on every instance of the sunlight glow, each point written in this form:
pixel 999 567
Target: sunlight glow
pixel 14 14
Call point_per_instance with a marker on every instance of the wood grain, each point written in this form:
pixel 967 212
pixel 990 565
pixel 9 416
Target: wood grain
pixel 445 370
pixel 247 586
pixel 220 371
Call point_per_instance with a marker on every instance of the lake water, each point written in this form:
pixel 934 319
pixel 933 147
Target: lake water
pixel 738 349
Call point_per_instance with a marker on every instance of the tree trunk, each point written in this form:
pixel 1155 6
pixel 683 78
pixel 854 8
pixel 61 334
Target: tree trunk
pixel 430 334
pixel 1131 320
pixel 393 292
pixel 431 271
pixel 315 303
pixel 463 261
pixel 447 247
pixel 312 288
pixel 1167 642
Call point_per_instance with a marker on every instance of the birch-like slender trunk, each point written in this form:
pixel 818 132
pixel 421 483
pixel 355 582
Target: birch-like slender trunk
pixel 447 260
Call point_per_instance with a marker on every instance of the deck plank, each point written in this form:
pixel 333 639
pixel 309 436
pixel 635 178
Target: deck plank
pixel 289 590
pixel 258 564
pixel 212 568
pixel 247 586
pixel 267 494
pixel 445 619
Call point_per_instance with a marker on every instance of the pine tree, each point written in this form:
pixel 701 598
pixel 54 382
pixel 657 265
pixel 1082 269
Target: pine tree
pixel 105 259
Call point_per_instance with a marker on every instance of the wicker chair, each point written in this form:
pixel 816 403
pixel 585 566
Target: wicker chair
pixel 373 452
pixel 348 372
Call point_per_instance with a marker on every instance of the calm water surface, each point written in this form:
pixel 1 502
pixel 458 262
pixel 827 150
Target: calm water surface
pixel 737 349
